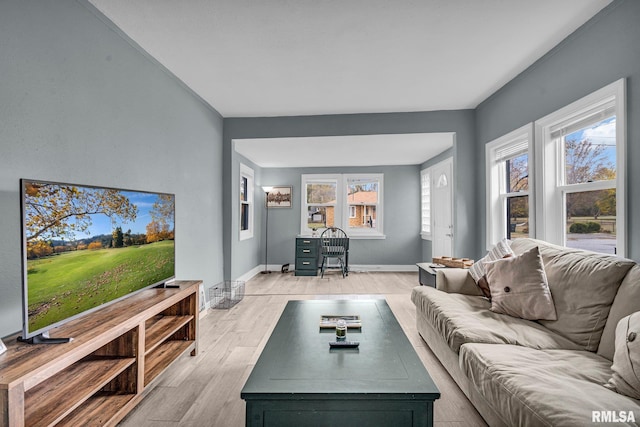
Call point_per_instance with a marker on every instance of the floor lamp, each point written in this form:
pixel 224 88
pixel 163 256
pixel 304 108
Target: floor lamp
pixel 266 190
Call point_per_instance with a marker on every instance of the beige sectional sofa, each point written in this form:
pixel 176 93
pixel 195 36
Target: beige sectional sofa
pixel 519 372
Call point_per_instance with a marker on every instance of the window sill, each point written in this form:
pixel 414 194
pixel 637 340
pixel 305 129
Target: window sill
pixel 367 236
pixel 426 236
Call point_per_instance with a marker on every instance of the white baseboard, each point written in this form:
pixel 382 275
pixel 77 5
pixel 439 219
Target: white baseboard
pixel 386 268
pixel 249 274
pixel 276 268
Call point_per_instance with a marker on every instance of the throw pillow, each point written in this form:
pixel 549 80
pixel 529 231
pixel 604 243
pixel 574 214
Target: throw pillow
pixel 626 359
pixel 519 287
pixel 501 250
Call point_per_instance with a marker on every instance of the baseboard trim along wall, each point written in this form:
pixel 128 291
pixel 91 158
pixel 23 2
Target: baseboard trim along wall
pixel 358 268
pixel 362 268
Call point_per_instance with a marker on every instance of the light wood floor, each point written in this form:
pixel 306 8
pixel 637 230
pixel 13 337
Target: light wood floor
pixel 205 390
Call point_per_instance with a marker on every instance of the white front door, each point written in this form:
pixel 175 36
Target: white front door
pixel 442 208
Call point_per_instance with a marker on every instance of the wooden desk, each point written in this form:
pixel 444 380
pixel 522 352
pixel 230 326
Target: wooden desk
pixel 299 381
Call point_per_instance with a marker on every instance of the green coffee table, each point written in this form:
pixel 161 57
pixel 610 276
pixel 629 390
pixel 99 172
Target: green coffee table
pixel 299 381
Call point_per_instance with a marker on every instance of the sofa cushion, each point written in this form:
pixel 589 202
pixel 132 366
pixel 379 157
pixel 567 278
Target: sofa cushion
pixel 477 270
pixel 530 387
pixel 627 301
pixel 519 287
pixel 583 285
pixel 626 360
pixel 467 319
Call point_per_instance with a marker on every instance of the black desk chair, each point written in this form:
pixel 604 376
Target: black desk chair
pixel 334 243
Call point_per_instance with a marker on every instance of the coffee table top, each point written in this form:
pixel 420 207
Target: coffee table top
pixel 297 358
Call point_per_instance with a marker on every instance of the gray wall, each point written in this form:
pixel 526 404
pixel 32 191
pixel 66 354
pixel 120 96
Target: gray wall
pixel 401 194
pixel 461 122
pixel 604 50
pixel 80 104
pixel 249 250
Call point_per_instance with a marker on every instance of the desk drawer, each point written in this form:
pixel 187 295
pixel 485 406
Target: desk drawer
pixel 306 252
pixel 306 264
pixel 306 242
pixel 306 256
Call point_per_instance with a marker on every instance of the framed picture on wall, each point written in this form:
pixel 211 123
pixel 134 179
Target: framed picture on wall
pixel 280 197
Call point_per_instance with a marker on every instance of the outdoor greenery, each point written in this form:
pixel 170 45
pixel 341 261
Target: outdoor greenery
pixel 86 279
pixel 581 227
pixel 71 267
pixel 585 161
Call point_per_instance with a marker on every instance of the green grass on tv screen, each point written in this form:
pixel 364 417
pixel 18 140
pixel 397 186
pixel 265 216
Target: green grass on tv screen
pixel 70 283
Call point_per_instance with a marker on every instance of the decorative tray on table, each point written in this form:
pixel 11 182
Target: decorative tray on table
pixel 453 262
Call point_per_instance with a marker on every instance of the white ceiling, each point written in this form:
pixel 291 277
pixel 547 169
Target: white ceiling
pixel 251 58
pixel 361 150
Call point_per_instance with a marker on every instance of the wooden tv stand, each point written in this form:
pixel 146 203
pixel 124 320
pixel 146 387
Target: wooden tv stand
pixel 116 354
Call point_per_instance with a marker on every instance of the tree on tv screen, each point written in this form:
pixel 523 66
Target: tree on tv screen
pixel 54 210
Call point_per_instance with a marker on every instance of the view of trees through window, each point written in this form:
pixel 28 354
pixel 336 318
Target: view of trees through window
pixel 321 201
pixel 517 205
pixel 590 157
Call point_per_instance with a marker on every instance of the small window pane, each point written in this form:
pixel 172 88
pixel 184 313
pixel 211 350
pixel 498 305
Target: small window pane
pixel 320 217
pixel 590 153
pixel 518 174
pixel 362 195
pixel 518 214
pixel 243 189
pixel 591 220
pixel 365 217
pixel 321 193
pixel 244 216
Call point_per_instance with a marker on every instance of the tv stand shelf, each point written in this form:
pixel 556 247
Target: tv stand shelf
pixel 116 354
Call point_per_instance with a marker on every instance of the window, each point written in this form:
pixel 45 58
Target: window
pixel 363 195
pixel 509 204
pixel 352 202
pixel 320 202
pixel 246 202
pixel 425 184
pixel 582 151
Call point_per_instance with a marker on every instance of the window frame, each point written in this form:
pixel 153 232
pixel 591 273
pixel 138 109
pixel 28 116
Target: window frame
pixel 497 197
pixel 551 194
pixel 426 226
pixel 341 209
pixel 363 232
pixel 304 205
pixel 247 173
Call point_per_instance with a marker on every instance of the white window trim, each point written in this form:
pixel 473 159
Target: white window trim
pixel 425 174
pixel 496 203
pixel 341 213
pixel 321 178
pixel 550 193
pixel 247 172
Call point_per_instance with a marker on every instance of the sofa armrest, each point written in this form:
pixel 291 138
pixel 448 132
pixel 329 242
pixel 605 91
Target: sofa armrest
pixel 456 281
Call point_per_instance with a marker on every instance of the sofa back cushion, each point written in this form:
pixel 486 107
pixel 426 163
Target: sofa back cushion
pixel 627 301
pixel 583 285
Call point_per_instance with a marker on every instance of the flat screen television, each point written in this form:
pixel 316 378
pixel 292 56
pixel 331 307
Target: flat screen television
pixel 85 246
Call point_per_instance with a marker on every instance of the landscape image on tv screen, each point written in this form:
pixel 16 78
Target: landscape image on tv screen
pixel 86 246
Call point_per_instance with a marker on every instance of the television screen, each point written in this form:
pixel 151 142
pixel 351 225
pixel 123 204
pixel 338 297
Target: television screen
pixel 86 246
